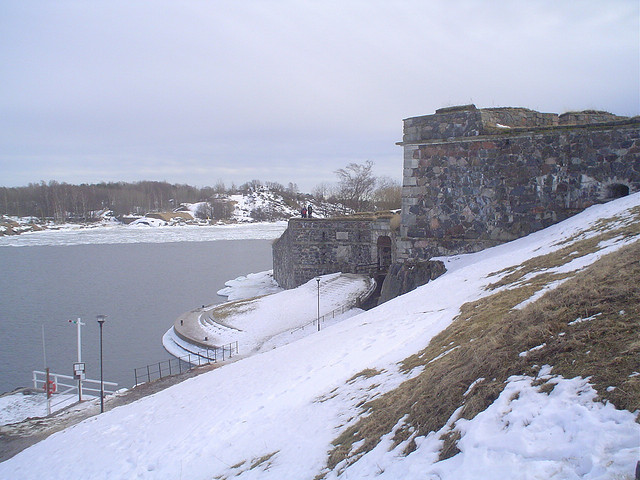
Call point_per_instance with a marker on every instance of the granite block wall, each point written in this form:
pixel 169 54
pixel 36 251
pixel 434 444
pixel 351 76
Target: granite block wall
pixel 468 193
pixel 312 247
pixel 474 178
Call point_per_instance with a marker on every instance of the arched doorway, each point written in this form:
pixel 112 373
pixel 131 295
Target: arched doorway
pixel 617 190
pixel 384 251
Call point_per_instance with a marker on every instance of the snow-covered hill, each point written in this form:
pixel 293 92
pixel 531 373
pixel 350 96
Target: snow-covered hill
pixel 312 408
pixel 259 205
pixel 266 205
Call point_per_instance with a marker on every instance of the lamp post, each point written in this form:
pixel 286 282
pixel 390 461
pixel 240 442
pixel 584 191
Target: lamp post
pixel 101 319
pixel 318 280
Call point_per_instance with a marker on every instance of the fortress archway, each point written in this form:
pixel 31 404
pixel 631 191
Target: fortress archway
pixel 384 251
pixel 617 190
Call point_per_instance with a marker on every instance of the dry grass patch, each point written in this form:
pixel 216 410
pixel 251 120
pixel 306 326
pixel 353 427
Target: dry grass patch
pixel 490 335
pixel 262 461
pixel 238 307
pixel 366 373
pixel 605 224
pixel 573 249
pixel 449 444
pixel 242 467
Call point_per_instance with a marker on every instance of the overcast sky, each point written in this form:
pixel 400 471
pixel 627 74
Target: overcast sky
pixel 288 91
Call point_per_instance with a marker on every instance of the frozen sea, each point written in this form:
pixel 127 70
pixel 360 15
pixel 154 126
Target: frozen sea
pixel 142 278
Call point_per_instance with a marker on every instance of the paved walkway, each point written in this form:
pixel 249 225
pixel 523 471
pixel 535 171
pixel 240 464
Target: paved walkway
pixel 212 326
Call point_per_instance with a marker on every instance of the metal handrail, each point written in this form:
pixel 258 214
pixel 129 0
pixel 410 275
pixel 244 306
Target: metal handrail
pixel 71 388
pixel 338 311
pixel 166 368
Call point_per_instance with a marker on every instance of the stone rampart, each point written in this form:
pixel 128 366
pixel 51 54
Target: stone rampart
pixel 464 121
pixel 318 246
pixel 519 173
pixel 514 118
pixel 472 178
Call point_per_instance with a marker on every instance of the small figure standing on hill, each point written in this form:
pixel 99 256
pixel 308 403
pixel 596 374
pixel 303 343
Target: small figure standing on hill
pixel 310 210
pixel 304 212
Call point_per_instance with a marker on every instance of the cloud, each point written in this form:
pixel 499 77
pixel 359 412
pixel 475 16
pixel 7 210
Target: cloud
pixel 298 85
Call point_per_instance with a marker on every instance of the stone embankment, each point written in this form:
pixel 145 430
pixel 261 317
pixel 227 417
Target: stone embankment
pixel 359 243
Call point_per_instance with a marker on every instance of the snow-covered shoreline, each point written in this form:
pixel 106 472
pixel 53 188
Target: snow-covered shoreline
pixel 25 403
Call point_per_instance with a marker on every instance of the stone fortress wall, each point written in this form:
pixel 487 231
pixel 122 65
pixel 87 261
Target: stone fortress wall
pixel 474 178
pixel 318 246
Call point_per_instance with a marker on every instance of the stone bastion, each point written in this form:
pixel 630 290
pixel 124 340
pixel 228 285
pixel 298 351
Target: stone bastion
pixel 310 247
pixel 472 178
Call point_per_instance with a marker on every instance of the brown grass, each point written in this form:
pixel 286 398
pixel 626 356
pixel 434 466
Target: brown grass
pixel 262 460
pixel 576 249
pixel 238 469
pixel 230 309
pixel 366 373
pixel 490 335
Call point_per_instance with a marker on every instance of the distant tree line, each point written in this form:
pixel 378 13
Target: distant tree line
pixel 357 190
pixel 66 202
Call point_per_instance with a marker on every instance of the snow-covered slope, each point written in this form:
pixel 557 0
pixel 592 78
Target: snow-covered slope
pixel 266 205
pixel 276 414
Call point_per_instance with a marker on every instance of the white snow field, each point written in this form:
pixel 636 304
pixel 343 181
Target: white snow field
pixel 251 285
pixel 271 320
pixel 274 415
pixel 15 407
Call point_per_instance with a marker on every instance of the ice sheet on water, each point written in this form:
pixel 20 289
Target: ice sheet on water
pixel 146 234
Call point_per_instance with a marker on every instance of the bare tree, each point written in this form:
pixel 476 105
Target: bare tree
pixel 355 184
pixel 219 187
pixel 388 194
pixel 222 209
pixel 321 191
pixel 204 211
pixel 292 188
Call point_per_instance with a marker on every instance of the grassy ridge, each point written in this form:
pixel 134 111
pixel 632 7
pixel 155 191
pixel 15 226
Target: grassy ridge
pixel 486 339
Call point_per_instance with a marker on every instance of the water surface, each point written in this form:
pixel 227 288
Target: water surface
pixel 141 287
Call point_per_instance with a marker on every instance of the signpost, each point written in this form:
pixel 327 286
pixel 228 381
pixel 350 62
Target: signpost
pixel 44 354
pixel 79 367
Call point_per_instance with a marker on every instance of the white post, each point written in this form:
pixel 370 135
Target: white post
pixel 47 383
pixel 79 358
pixel 79 338
pixel 44 350
pixel 79 341
pixel 46 378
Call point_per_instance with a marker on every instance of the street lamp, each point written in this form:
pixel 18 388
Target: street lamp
pixel 318 280
pixel 101 319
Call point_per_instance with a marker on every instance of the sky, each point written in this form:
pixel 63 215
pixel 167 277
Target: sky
pixel 200 92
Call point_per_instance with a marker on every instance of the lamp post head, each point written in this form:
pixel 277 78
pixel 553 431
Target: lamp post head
pixel 101 319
